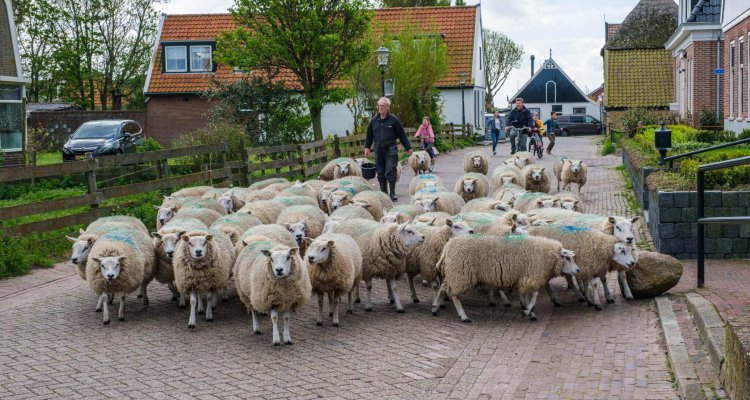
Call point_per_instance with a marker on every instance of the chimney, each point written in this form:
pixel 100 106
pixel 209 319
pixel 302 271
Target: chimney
pixel 532 65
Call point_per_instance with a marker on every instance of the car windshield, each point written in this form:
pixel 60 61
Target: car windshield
pixel 90 130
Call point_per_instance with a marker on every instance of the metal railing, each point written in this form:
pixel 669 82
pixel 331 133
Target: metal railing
pixel 694 152
pixel 702 220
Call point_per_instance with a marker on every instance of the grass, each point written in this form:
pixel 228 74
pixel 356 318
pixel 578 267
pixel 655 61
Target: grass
pixel 50 157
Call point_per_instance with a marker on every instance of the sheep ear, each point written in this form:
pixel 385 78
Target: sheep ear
pixel 634 220
pixel 365 206
pixel 122 258
pixel 81 231
pixel 331 243
pixel 513 228
pixel 209 238
pixel 97 260
pixel 542 170
pixel 157 207
pixel 266 253
pixel 514 217
pixel 611 220
pixel 185 238
pixel 577 201
pixel 449 223
pixel 293 250
pixel 156 235
pixel 307 240
pixel 71 239
pixel 539 202
pixel 174 208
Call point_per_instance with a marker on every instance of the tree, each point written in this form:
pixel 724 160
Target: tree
pixel 36 37
pixel 318 41
pixel 501 55
pixel 415 3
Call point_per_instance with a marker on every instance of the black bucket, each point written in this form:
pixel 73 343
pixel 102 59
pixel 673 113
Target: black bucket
pixel 368 170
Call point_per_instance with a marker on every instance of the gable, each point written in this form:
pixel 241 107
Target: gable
pixel 551 85
pixel 8 66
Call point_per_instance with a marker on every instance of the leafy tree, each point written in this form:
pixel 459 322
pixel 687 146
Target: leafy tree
pixel 501 55
pixel 318 41
pixel 36 33
pixel 415 3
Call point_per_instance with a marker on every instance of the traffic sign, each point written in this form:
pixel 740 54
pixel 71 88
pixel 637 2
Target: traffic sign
pixel 719 71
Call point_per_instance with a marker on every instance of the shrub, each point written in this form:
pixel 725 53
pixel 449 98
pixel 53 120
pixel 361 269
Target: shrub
pixel 670 181
pixel 149 144
pixel 634 118
pixel 232 135
pixel 744 134
pixel 708 118
pixel 40 140
pixel 707 136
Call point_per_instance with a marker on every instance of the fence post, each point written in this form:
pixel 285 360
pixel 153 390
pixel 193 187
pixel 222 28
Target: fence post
pixel 91 179
pixel 336 147
pixel 223 154
pixel 244 169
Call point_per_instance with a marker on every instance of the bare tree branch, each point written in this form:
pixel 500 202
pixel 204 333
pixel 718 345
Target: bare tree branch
pixel 501 55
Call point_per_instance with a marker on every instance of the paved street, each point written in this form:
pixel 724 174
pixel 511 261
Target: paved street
pixel 53 345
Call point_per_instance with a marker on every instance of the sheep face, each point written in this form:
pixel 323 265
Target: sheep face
pixel 325 194
pixel 298 184
pixel 421 158
pixel 624 255
pixel 575 166
pixel 518 230
pixel 459 228
pixel 476 161
pixel 569 267
pixel 168 241
pixel 428 205
pixel 226 202
pixel 331 225
pixel 536 174
pixel 165 214
pixel 319 251
pixel 569 205
pixel 521 219
pixel 81 249
pixel 546 203
pixel 337 200
pixel 110 266
pixel 344 169
pixel 623 228
pixel 198 245
pixel 409 236
pixel 507 180
pixel 503 206
pixel 470 185
pixel 281 261
pixel 389 218
pixel 298 231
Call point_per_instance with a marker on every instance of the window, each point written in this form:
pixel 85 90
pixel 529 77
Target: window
pixel 731 80
pixel 579 110
pixel 176 58
pixel 557 108
pixel 11 126
pixel 200 58
pixel 480 58
pixel 739 78
pixel 8 92
pixel 550 95
pixel 589 120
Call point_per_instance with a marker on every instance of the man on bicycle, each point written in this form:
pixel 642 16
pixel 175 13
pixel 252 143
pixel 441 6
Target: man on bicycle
pixel 519 118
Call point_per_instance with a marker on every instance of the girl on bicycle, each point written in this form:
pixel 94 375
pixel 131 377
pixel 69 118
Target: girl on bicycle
pixel 428 139
pixel 539 132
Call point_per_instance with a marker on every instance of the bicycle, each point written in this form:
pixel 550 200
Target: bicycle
pixel 520 135
pixel 535 145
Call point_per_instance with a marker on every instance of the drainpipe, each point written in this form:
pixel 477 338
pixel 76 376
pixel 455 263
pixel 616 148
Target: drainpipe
pixel 718 77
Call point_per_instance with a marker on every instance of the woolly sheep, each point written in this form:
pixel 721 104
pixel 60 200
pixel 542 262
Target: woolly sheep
pixel 196 191
pixel 267 211
pixel 524 158
pixel 302 190
pixel 302 222
pixel 274 281
pixel 277 233
pixel 472 185
pixel 569 201
pixel 202 264
pixel 374 202
pixel 432 218
pixel 536 179
pixel 476 161
pixel 338 199
pixel 515 217
pixel 620 227
pixel 419 161
pixel 296 201
pixel 234 225
pixel 573 171
pixel 172 205
pixel 401 214
pixel 384 249
pixel 487 204
pixel 279 186
pixel 118 219
pixel 530 201
pixel 334 262
pixel 442 201
pixel 428 191
pixel 350 211
pixel 344 169
pixel 483 223
pixel 206 216
pixel 165 241
pixel 524 263
pixel 557 166
pixel 328 172
pixel 509 193
pixel 214 193
pixel 425 180
pixel 266 183
pixel 507 174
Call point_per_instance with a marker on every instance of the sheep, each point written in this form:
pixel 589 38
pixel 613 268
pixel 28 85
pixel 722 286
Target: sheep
pixel 120 262
pixel 302 222
pixel 573 171
pixel 338 199
pixel 164 241
pixel 119 219
pixel 557 166
pixel 266 183
pixel 267 211
pixel 620 227
pixel 300 189
pixel 426 192
pixel 277 233
pixel 476 161
pixel 433 218
pixel 273 280
pixel 206 216
pixel 172 205
pixel 442 201
pixel 471 186
pixel 569 201
pixel 530 201
pixel 296 201
pixel 420 163
pixel 202 264
pixel 524 263
pixel 334 262
pixel 524 158
pixel 425 180
pixel 487 204
pixel 374 202
pixel 350 185
pixel 384 248
pixel 401 214
pixel 341 170
pixel 214 193
pixel 514 217
pixel 483 223
pixel 536 179
pixel 506 174
pixel 195 191
pixel 509 193
pixel 328 172
pixel 234 225
pixel 350 211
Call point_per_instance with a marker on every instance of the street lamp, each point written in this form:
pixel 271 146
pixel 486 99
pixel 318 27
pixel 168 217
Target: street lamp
pixel 662 142
pixel 462 82
pixel 383 54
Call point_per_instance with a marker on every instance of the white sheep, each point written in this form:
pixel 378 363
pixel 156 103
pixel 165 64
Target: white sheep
pixel 303 222
pixel 509 193
pixel 441 201
pixel 569 201
pixel 523 263
pixel 206 216
pixel 344 169
pixel 524 158
pixel 234 225
pixel 476 161
pixel 620 227
pixel 165 241
pixel 471 186
pixel 420 162
pixel 328 172
pixel 267 211
pixel 425 180
pixel 374 202
pixel 202 265
pixel 118 219
pixel 483 204
pixel 260 185
pixel 300 189
pixel 172 205
pixel 296 201
pixel 272 279
pixel 574 171
pixel 277 233
pixel 334 262
pixel 438 218
pixel 401 214
pixel 507 174
pixel 350 211
pixel 536 179
pixel 262 194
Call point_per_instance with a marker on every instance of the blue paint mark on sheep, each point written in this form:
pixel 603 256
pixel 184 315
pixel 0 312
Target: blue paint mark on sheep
pixel 573 228
pixel 120 236
pixel 514 239
pixel 426 176
pixel 428 190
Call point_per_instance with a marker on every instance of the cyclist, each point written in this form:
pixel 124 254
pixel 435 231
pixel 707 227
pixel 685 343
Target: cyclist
pixel 518 118
pixel 537 133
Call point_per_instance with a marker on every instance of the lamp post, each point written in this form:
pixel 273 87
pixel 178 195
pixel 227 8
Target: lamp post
pixel 462 82
pixel 662 142
pixel 383 54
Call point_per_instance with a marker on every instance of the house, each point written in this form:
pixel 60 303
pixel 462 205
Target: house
pixel 41 107
pixel 551 89
pixel 594 95
pixel 735 24
pixel 12 91
pixel 694 46
pixel 183 66
pixel 638 70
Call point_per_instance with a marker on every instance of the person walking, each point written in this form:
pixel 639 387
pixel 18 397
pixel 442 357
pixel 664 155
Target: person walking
pixel 383 132
pixel 496 124
pixel 552 129
pixel 427 135
pixel 519 117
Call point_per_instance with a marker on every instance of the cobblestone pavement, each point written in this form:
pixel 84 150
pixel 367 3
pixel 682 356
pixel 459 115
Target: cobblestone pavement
pixel 53 345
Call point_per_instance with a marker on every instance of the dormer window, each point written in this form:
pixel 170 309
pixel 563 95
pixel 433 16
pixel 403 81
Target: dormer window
pixel 200 58
pixel 188 57
pixel 176 57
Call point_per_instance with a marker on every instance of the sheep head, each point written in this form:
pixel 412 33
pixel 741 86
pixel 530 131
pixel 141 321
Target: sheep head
pixel 507 180
pixel 570 205
pixel 427 204
pixel 622 228
pixel 408 235
pixel 298 230
pixel 81 249
pixel 575 166
pixel 280 260
pixel 110 266
pixel 390 218
pixel 226 202
pixel 569 263
pixel 470 185
pixel 546 203
pixel 165 214
pixel 503 206
pixel 459 228
pixel 421 157
pixel 343 168
pixel 476 161
pixel 168 241
pixel 337 200
pixel 319 251
pixel 198 245
pixel 536 174
pixel 624 255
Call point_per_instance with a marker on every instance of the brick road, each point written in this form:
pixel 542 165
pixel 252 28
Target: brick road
pixel 52 343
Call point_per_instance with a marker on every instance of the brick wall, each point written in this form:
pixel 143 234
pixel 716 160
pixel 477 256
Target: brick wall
pixel 171 116
pixel 698 77
pixel 62 123
pixel 733 34
pixel 13 159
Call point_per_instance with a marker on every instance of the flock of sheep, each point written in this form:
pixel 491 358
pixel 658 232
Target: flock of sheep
pixel 282 242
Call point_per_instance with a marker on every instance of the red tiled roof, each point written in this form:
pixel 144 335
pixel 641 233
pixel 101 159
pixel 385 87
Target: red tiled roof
pixel 456 24
pixel 611 30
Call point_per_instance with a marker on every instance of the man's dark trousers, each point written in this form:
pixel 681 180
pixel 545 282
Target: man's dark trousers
pixel 385 163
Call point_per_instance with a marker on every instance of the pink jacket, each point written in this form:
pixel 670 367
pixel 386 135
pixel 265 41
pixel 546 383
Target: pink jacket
pixel 426 133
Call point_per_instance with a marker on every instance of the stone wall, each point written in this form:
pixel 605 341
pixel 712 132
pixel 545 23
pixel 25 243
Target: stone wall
pixel 61 124
pixel 736 369
pixel 638 178
pixel 672 222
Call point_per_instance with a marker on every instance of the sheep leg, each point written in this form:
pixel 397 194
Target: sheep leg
pixel 425 283
pixel 182 301
pixel 256 324
pixel 287 321
pixel 144 293
pixel 193 305
pixel 593 294
pixel 390 292
pixel 172 289
pixel 356 298
pixel 99 303
pixel 530 303
pixel 491 298
pixel 121 312
pixel 573 285
pixel 438 301
pixel 110 298
pixel 624 285
pixel 582 290
pixel 368 298
pixel 210 299
pixel 552 295
pixel 392 286
pixel 607 294
pixel 330 304
pixel 336 300
pixel 319 322
pixel 225 294
pixel 350 305
pixel 141 293
pixel 275 323
pixel 460 309
pixel 104 299
pixel 201 310
pixel 414 297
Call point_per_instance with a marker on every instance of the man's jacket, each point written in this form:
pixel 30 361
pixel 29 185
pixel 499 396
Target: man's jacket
pixel 385 132
pixel 521 117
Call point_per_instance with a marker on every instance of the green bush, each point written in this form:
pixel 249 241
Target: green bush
pixel 232 135
pixel 669 181
pixel 707 136
pixel 149 144
pixel 708 118
pixel 744 134
pixel 634 118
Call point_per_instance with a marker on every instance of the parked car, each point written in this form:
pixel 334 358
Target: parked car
pixel 578 124
pixel 99 138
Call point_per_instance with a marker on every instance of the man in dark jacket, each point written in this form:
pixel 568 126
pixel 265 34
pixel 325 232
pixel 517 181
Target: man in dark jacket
pixel 383 132
pixel 519 117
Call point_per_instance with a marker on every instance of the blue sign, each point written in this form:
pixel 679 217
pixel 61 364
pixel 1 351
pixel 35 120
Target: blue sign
pixel 719 71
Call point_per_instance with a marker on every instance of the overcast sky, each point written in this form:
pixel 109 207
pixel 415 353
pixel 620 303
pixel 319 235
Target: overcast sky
pixel 573 29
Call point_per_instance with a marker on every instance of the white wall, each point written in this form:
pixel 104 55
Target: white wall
pixel 336 119
pixel 592 109
pixel 452 105
pixel 736 125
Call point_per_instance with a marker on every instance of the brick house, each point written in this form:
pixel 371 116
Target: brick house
pixel 694 46
pixel 12 91
pixel 638 70
pixel 736 29
pixel 183 66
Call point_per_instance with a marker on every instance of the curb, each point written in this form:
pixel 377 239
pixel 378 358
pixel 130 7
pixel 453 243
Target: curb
pixel 688 384
pixel 711 328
